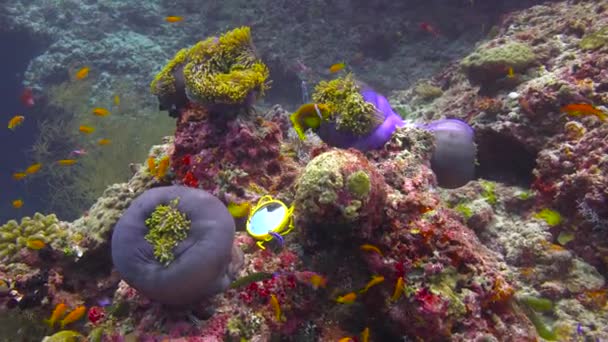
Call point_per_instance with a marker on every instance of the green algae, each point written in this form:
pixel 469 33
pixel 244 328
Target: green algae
pixel 168 227
pixel 551 217
pixel 464 209
pixel 359 184
pixel 595 40
pixel 537 303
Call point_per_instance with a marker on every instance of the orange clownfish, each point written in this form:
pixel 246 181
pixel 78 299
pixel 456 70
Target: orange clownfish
pixel 309 115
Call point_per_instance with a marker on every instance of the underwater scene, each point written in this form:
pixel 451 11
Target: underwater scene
pixel 312 170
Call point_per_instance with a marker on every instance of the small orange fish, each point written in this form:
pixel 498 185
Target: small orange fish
pixel 317 281
pixel 348 298
pixel 274 302
pixel 86 129
pixel 33 168
pixel 173 19
pixel 346 339
pixel 337 67
pixel 398 290
pixel 365 335
pixel 17 203
pixel 580 109
pixel 309 115
pixel 73 316
pixel 35 244
pixel 19 175
pixel 66 162
pixel 100 111
pixel 510 72
pixel 163 167
pixel 103 142
pixel 151 165
pixel 370 248
pixel 15 121
pixel 59 311
pixel 82 73
pixel 376 279
pixel 238 210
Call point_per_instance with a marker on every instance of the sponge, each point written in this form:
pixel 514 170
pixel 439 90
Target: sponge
pixel 201 267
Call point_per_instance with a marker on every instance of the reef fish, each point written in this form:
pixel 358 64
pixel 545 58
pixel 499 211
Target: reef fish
pixel 365 335
pixel 398 289
pixel 348 298
pixel 35 243
pixel 82 73
pixel 238 210
pixel 33 168
pixel 103 142
pixel 65 336
pixel 66 162
pixel 163 167
pixel 57 313
pixel 99 111
pixel 17 203
pixel 15 121
pixel 580 109
pixel 376 279
pixel 309 115
pixel 173 19
pixel 73 316
pixel 19 175
pixel 274 302
pixel 86 129
pixel 370 248
pixel 317 281
pixel 27 97
pixel 337 67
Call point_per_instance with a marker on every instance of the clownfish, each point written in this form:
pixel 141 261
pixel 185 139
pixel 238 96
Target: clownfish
pixel 309 115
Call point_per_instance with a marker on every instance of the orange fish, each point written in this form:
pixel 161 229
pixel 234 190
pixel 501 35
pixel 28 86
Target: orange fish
pixel 365 335
pixel 82 73
pixel 86 129
pixel 346 339
pixel 510 73
pixel 580 109
pixel 66 162
pixel 33 168
pixel 163 167
pixel 370 248
pixel 73 316
pixel 35 244
pixel 19 175
pixel 274 302
pixel 317 281
pixel 17 203
pixel 103 142
pixel 348 298
pixel 337 67
pixel 15 121
pixel 376 279
pixel 151 165
pixel 309 115
pixel 100 111
pixel 173 19
pixel 398 290
pixel 59 311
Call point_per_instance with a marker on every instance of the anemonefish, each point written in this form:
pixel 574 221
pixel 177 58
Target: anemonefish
pixel 309 115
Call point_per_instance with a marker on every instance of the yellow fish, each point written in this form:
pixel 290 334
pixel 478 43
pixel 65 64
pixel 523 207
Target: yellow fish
pixel 15 121
pixel 274 302
pixel 17 203
pixel 370 248
pixel 346 339
pixel 348 298
pixel 100 111
pixel 376 279
pixel 33 168
pixel 398 290
pixel 19 175
pixel 173 19
pixel 163 167
pixel 35 244
pixel 86 129
pixel 317 281
pixel 116 100
pixel 239 210
pixel 73 316
pixel 59 311
pixel 309 115
pixel 65 336
pixel 66 162
pixel 510 73
pixel 82 73
pixel 365 335
pixel 103 142
pixel 337 67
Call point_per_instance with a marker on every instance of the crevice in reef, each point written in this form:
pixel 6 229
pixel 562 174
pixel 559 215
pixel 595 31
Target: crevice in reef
pixel 502 158
pixel 286 88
